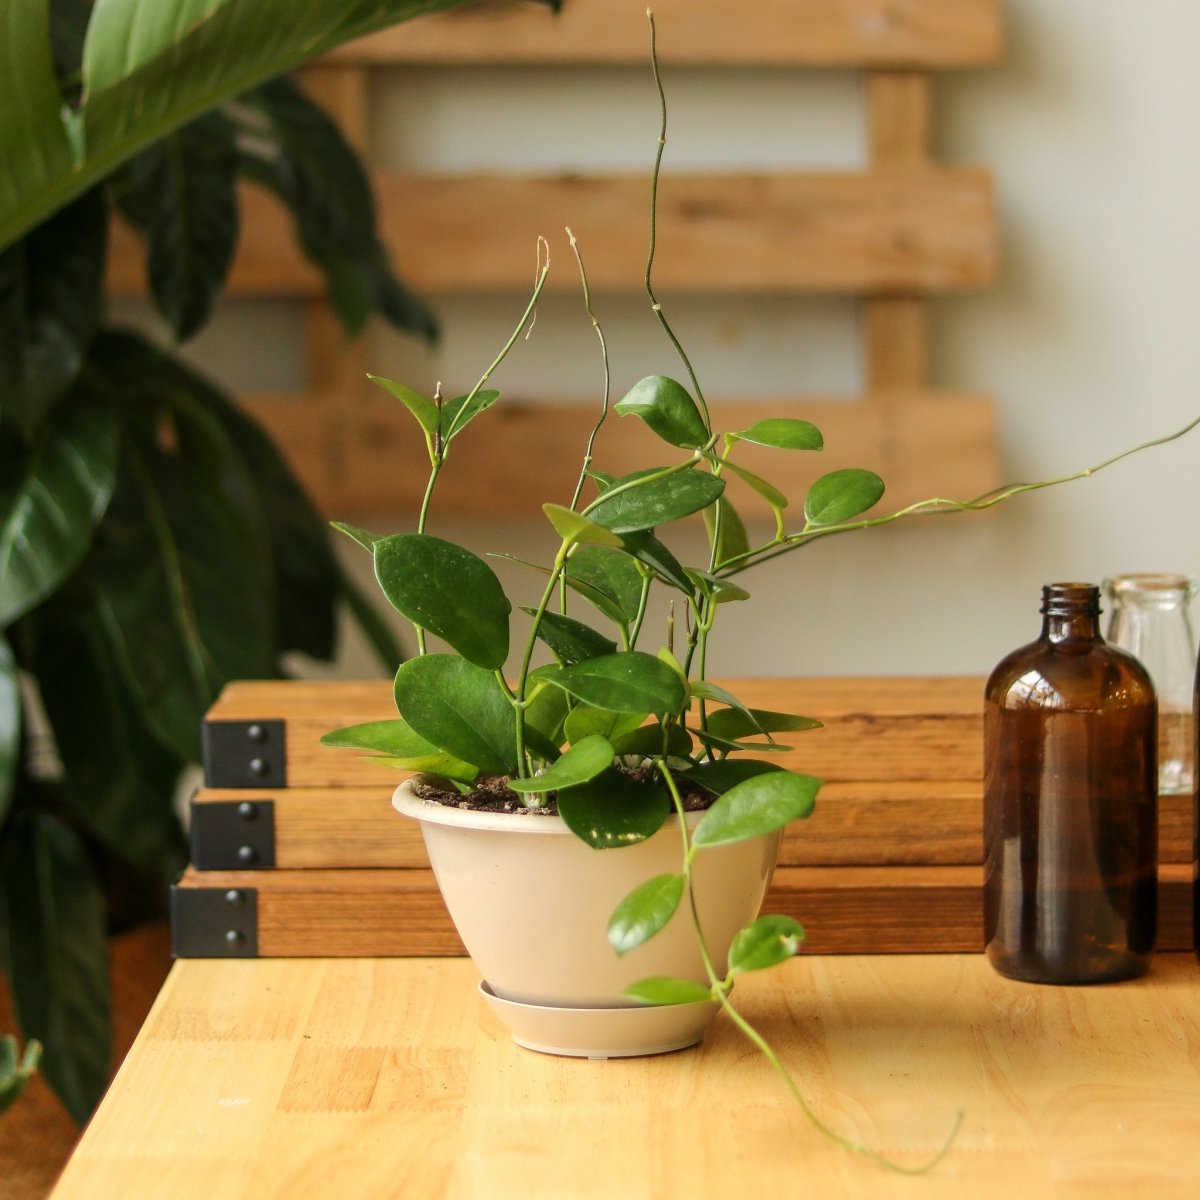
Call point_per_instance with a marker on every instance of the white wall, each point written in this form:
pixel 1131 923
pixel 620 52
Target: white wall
pixel 1088 342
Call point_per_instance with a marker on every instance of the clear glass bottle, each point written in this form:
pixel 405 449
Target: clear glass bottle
pixel 1149 618
pixel 1070 802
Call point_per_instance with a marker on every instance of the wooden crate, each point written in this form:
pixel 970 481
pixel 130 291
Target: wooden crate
pixel 890 861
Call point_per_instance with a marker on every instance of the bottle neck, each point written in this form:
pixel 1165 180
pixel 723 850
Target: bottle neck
pixel 1070 612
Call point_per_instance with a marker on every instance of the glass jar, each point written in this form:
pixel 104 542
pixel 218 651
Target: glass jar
pixel 1070 802
pixel 1149 618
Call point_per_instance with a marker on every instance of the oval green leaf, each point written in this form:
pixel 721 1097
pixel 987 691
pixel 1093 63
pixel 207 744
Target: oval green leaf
pixel 448 591
pixel 460 708
pixel 719 590
pixel 598 571
pixel 667 408
pixel 573 527
pixel 571 641
pixel 627 682
pixel 657 501
pixel 768 491
pixel 733 724
pixel 650 552
pixel 661 989
pixel 781 433
pixel 613 810
pixel 459 412
pixel 767 942
pixel 721 775
pixel 841 495
pixel 583 761
pixel 421 407
pixel 757 806
pixel 394 737
pixel 585 721
pixel 644 912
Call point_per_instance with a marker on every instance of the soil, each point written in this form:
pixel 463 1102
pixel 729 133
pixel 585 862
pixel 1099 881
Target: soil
pixel 492 794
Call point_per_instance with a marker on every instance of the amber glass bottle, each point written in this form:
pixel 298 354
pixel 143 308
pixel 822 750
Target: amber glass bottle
pixel 1070 802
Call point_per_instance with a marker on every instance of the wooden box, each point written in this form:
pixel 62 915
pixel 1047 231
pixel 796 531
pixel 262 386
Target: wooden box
pixel 296 849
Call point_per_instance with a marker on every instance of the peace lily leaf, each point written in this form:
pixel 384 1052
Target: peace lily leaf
pixel 10 726
pixel 841 495
pixel 729 723
pixel 644 912
pixel 585 721
pixel 768 491
pixel 767 942
pixel 660 989
pixel 574 527
pixel 58 955
pixel 647 741
pixel 447 590
pixel 630 682
pixel 446 766
pixel 650 552
pixel 460 708
pixel 459 412
pixel 395 737
pixel 783 433
pixel 719 590
pixel 66 487
pixel 656 501
pixel 718 777
pixel 613 810
pixel 757 806
pixel 583 761
pixel 570 640
pixel 363 537
pixel 667 408
pixel 421 407
pixel 612 574
pixel 732 539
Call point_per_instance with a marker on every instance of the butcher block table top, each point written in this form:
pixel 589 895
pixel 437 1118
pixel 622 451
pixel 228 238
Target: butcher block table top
pixel 364 1078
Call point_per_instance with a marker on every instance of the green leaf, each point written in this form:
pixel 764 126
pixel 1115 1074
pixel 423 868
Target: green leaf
pixel 841 495
pixel 460 708
pixel 460 411
pixel 655 501
pixel 421 407
pixel 583 761
pixel 647 742
pixel 731 724
pixel 768 491
pixel 629 681
pixel 573 527
pixel 58 956
pixel 14 1074
pixel 585 721
pixel 51 298
pixel 705 689
pixel 546 708
pixel 179 192
pixel 665 407
pixel 609 578
pixel 660 989
pixel 395 737
pixel 644 912
pixel 732 538
pixel 447 590
pixel 613 810
pixel 570 640
pixel 650 552
pixel 756 806
pixel 782 433
pixel 443 765
pixel 767 942
pixel 66 486
pixel 719 590
pixel 10 726
pixel 364 537
pixel 720 775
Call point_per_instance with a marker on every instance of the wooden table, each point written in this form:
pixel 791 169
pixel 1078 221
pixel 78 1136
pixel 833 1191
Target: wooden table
pixel 365 1078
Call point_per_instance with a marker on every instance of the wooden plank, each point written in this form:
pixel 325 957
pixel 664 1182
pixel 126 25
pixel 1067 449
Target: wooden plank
pixel 365 457
pixel 934 33
pixel 845 910
pixel 927 230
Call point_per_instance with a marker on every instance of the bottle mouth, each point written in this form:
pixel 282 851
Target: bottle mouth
pixel 1151 587
pixel 1072 598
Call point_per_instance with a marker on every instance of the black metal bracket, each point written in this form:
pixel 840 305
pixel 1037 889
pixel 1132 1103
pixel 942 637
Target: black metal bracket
pixel 214 922
pixel 233 835
pixel 245 754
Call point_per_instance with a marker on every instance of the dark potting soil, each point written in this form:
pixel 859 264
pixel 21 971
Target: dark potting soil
pixel 492 794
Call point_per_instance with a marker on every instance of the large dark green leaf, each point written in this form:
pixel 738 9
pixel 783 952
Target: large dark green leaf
pixel 841 495
pixel 10 726
pixel 57 956
pixel 627 682
pixel 613 810
pixel 66 484
pixel 180 193
pixel 644 912
pixel 50 303
pixel 756 806
pixel 447 590
pixel 119 779
pixel 654 501
pixel 570 640
pixel 460 708
pixel 667 408
pixel 650 552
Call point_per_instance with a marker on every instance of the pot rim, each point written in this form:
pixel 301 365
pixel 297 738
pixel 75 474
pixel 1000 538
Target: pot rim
pixel 406 802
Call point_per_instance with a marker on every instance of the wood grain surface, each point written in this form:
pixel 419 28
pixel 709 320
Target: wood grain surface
pixel 371 1078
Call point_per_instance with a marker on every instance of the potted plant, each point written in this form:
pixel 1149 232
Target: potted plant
pixel 603 824
pixel 131 488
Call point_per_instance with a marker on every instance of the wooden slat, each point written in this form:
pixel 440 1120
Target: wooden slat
pixel 366 457
pixel 926 230
pixel 934 33
pixel 845 910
